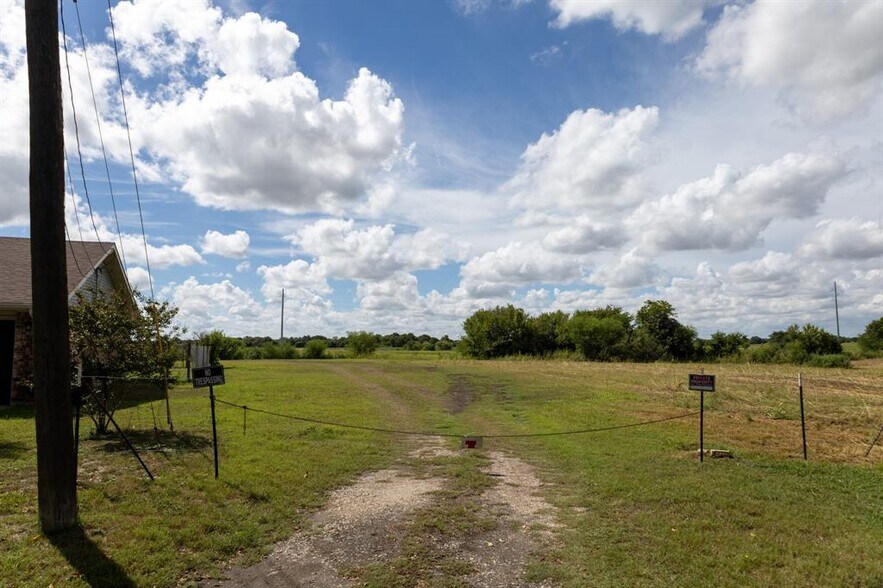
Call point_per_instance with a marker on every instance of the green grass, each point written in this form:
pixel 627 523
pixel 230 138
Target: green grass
pixel 637 507
pixel 186 522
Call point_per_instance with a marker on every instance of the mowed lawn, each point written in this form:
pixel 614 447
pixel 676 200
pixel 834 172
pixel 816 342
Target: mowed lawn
pixel 637 507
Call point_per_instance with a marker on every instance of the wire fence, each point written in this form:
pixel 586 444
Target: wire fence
pixel 247 408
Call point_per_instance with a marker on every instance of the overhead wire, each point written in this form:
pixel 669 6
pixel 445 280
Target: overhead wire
pixel 100 133
pixel 77 216
pixel 153 308
pixel 67 236
pixel 116 53
pixel 104 153
pixel 76 124
pixel 70 180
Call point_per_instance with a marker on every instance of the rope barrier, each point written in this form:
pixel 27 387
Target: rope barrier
pixel 122 378
pixel 452 435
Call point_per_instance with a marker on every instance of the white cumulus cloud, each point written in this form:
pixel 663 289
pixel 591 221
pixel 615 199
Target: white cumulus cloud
pixel 222 305
pixel 826 57
pixel 584 236
pixel 631 270
pixel 670 18
pixel 498 272
pixel 844 239
pixel 234 245
pixel 592 162
pixel 730 210
pixel 344 251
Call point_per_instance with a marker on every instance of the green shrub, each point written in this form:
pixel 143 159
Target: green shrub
pixel 793 352
pixel 598 338
pixel 762 353
pixel 723 345
pixel 497 332
pixel 222 346
pixel 361 343
pixel 833 360
pixel 315 349
pixel 871 341
pixel 278 351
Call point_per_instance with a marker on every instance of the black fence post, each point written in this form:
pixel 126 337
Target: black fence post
pixel 701 425
pixel 802 418
pixel 211 395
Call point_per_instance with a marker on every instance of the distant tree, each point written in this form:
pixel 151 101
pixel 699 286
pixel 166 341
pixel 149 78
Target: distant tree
pixel 497 332
pixel 361 343
pixel 726 344
pixel 871 340
pixel 222 346
pixel 445 344
pixel 601 334
pixel 549 332
pixel 813 340
pixel 659 335
pixel 115 338
pixel 315 349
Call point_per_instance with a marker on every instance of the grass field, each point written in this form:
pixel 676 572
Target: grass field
pixel 637 507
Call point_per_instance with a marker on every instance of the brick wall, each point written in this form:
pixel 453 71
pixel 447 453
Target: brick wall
pixel 23 360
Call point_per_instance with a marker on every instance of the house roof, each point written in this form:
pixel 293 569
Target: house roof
pixel 15 267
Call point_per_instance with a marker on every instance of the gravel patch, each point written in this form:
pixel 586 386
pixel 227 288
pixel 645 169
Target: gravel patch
pixel 364 523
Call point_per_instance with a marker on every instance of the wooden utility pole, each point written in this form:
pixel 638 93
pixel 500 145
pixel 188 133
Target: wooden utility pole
pixel 282 318
pixel 836 311
pixel 56 457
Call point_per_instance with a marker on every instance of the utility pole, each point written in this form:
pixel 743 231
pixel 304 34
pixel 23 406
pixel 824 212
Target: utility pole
pixel 836 310
pixel 56 457
pixel 282 319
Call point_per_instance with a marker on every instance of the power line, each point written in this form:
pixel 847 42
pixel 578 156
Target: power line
pixel 100 134
pixel 67 236
pixel 76 125
pixel 131 151
pixel 76 214
pixel 454 435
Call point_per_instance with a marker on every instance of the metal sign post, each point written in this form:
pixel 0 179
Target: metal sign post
pixel 210 376
pixel 802 418
pixel 702 383
pixel 211 395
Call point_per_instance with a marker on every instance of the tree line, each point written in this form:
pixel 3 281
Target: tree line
pixel 653 333
pixel 357 343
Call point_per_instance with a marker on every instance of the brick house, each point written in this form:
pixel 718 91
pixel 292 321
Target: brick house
pixel 91 266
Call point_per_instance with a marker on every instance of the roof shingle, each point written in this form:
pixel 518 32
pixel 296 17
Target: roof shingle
pixel 15 267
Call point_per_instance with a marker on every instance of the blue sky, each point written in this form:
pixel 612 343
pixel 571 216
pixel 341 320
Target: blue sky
pixel 397 165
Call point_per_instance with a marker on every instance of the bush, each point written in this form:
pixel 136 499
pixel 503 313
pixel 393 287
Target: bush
pixel 871 341
pixel 115 337
pixel 792 352
pixel 315 349
pixel 498 332
pixel 725 344
pixel 600 334
pixel 278 351
pixel 222 346
pixel 549 332
pixel 815 340
pixel 834 360
pixel 762 353
pixel 445 344
pixel 361 343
